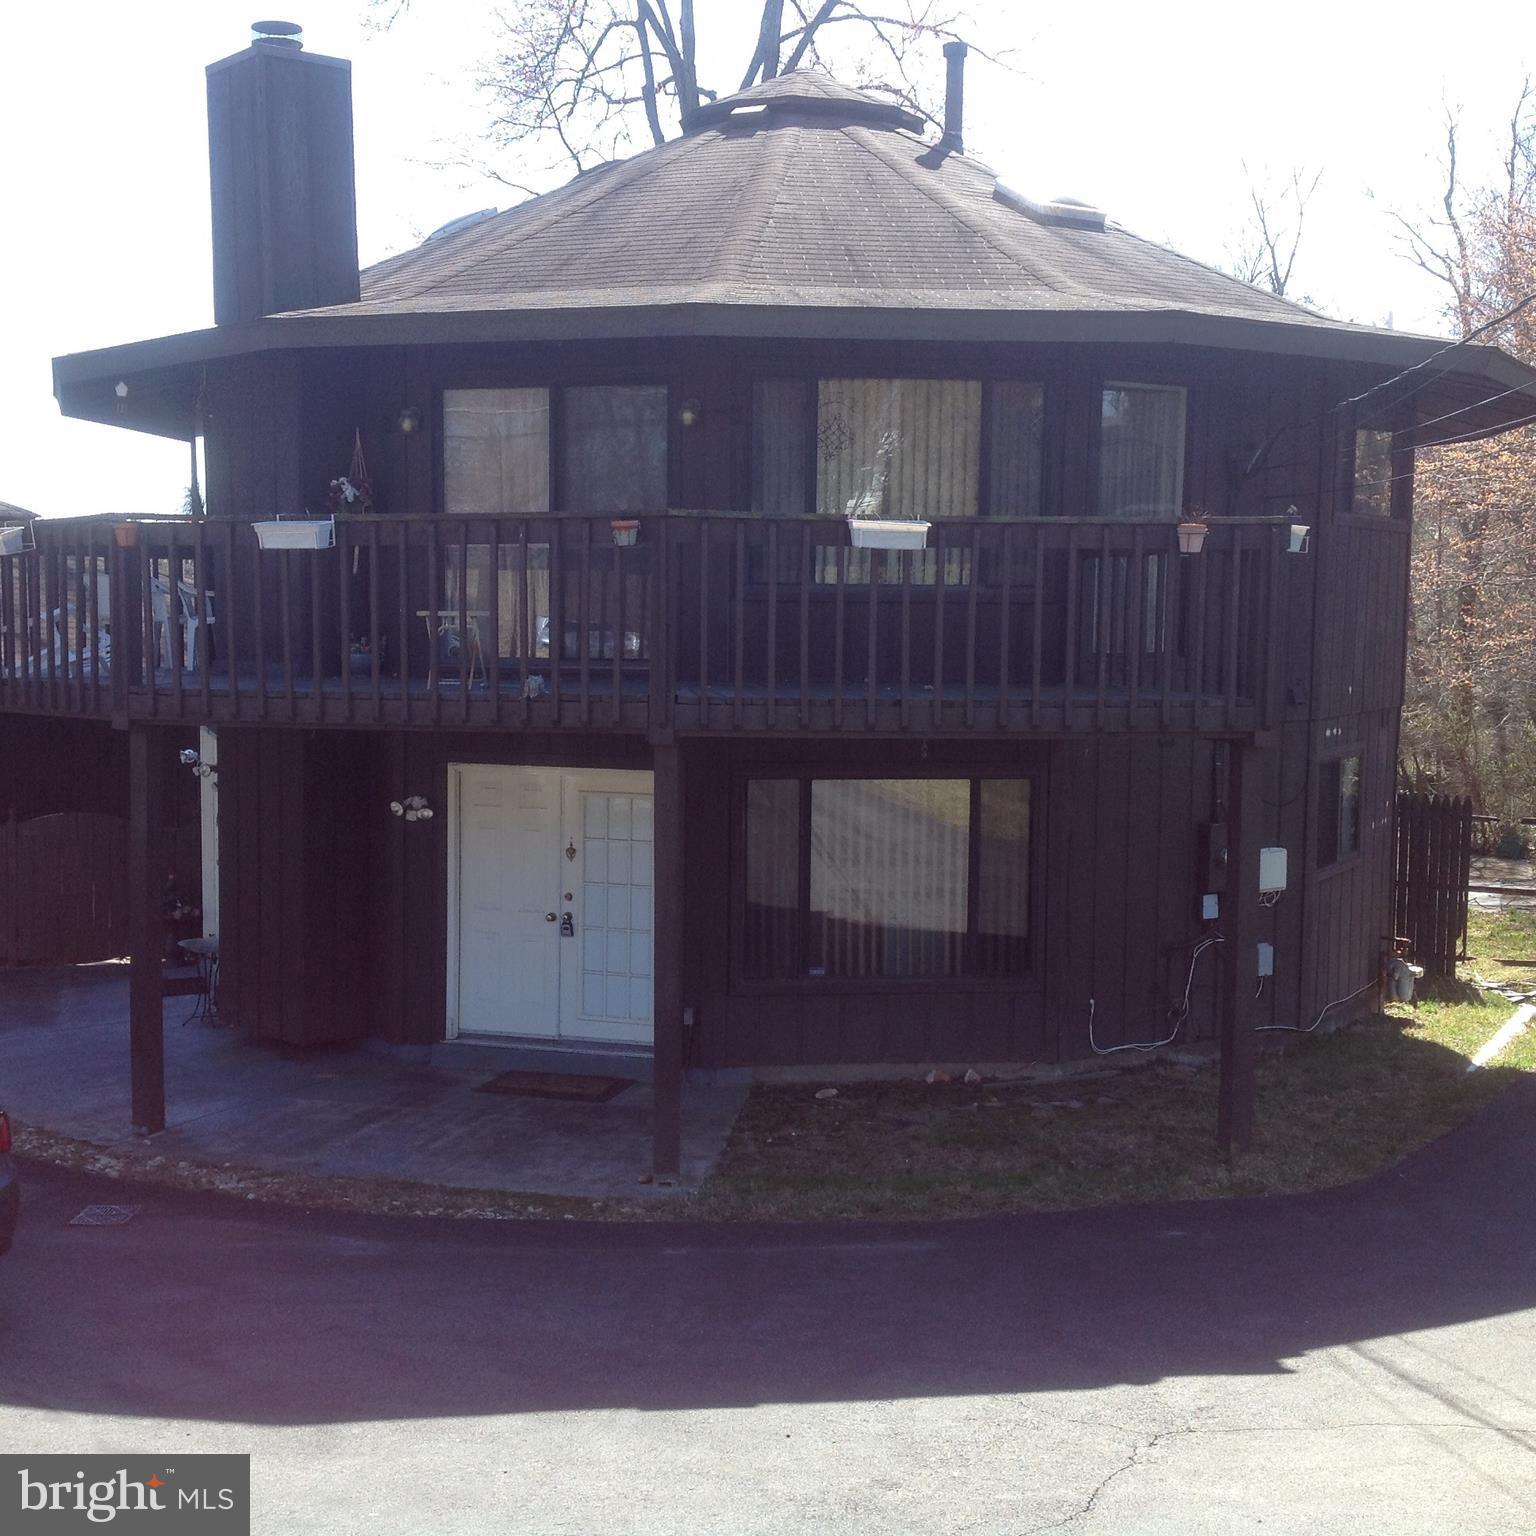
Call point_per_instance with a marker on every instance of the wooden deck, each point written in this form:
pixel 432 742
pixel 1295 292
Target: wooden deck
pixel 710 623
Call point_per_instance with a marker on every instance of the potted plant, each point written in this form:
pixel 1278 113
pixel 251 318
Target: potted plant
pixel 626 530
pixel 126 534
pixel 867 529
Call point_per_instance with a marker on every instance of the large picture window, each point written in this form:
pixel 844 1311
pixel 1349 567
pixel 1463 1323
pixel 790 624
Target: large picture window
pixel 1141 451
pixel 907 448
pixel 497 450
pixel 886 879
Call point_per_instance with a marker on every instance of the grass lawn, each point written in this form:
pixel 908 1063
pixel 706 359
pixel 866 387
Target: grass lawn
pixel 1330 1109
pixel 1495 937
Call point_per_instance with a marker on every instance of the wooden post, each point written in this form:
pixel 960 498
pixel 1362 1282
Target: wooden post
pixel 667 964
pixel 1239 972
pixel 146 927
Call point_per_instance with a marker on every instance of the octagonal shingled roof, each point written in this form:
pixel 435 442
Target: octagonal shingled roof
pixel 803 207
pixel 800 192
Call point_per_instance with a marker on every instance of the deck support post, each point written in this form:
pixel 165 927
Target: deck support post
pixel 147 749
pixel 667 964
pixel 1239 971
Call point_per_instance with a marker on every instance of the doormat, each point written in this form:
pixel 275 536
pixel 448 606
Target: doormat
pixel 558 1085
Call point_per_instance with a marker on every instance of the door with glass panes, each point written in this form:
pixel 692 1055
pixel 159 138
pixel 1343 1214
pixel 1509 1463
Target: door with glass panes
pixel 553 879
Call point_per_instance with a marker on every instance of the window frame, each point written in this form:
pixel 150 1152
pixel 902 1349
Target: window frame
pixel 812 379
pixel 1339 857
pixel 555 387
pixel 1146 381
pixel 1030 978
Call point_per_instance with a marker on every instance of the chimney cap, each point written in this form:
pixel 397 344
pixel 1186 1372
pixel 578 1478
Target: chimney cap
pixel 956 48
pixel 277 34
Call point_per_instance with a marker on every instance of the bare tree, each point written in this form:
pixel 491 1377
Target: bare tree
pixel 595 77
pixel 1266 247
pixel 1470 713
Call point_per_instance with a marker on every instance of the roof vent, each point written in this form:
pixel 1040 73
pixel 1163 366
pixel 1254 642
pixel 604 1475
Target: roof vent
pixel 277 34
pixel 464 221
pixel 954 96
pixel 1066 211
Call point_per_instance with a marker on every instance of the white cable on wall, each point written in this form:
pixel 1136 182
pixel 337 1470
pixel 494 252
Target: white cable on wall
pixel 1179 1014
pixel 1306 1029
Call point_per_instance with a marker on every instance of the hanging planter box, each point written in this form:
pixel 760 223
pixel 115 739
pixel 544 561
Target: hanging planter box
pixel 887 533
pixel 626 530
pixel 297 533
pixel 17 539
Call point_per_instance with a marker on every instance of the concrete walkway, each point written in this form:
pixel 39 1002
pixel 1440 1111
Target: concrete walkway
pixel 64 1068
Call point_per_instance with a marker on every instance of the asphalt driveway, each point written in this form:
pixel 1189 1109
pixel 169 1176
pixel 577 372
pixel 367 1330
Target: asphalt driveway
pixel 1361 1360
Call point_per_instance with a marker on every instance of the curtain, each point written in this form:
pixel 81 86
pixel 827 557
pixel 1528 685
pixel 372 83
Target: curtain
pixel 889 876
pixel 495 451
pixel 908 448
pixel 1141 452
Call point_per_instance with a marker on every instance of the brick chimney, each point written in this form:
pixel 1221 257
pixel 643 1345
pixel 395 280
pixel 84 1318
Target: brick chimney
pixel 280 164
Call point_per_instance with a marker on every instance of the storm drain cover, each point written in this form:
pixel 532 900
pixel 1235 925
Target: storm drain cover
pixel 105 1215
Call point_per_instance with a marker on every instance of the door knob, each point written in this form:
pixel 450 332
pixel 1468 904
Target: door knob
pixel 550 917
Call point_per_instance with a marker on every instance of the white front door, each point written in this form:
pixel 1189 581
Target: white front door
pixel 552 874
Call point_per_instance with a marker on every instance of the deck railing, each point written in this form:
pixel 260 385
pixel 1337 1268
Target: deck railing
pixel 717 622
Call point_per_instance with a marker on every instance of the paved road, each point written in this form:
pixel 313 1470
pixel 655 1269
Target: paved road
pixel 1362 1361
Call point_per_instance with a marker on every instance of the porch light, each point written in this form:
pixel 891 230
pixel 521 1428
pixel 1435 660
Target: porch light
pixel 1192 537
pixel 189 757
pixel 409 420
pixel 1299 533
pixel 690 412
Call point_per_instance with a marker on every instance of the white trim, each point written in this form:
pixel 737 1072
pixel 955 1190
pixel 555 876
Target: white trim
pixel 455 783
pixel 208 820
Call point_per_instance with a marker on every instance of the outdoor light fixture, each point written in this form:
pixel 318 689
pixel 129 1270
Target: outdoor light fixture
pixel 690 412
pixel 409 420
pixel 1300 534
pixel 1192 537
pixel 190 758
pixel 412 808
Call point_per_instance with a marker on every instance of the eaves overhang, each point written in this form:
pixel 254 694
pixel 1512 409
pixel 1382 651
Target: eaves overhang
pixel 1487 390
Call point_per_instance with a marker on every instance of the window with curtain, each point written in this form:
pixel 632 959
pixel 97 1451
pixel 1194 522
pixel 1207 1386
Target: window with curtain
pixel 905 448
pixel 495 451
pixel 1373 473
pixel 1338 810
pixel 886 878
pixel 1141 451
pixel 496 463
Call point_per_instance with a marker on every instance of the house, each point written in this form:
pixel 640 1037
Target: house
pixel 608 728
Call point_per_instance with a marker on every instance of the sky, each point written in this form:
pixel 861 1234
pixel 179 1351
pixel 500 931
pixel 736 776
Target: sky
pixel 1151 112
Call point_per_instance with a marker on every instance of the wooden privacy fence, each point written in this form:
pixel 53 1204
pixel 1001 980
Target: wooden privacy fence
pixel 1434 865
pixel 63 895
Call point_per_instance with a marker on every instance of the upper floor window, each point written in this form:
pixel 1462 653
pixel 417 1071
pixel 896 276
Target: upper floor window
pixel 899 448
pixel 1141 451
pixel 499 449
pixel 1373 476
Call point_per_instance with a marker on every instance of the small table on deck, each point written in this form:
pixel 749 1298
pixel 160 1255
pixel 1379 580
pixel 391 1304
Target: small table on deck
pixel 445 621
